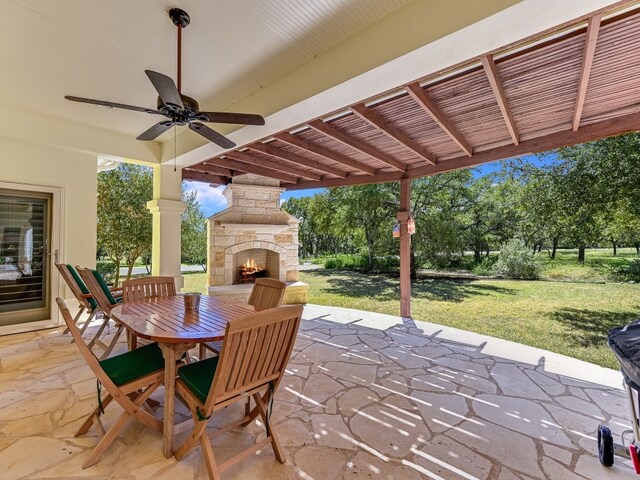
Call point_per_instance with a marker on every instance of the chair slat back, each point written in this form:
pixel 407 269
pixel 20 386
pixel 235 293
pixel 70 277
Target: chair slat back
pixel 139 289
pixel 255 351
pixel 65 273
pixel 96 290
pixel 86 353
pixel 267 293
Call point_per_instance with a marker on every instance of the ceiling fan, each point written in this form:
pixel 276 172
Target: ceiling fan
pixel 178 108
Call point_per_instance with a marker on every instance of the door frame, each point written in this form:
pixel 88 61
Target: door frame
pixel 57 244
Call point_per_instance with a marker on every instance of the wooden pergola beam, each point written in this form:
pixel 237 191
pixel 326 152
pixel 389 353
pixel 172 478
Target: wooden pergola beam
pixel 285 174
pixel 289 157
pixel 214 170
pixel 591 40
pixel 491 72
pixel 278 167
pixel 374 119
pixel 324 153
pixel 189 175
pixel 356 144
pixel 588 133
pixel 422 99
pixel 236 164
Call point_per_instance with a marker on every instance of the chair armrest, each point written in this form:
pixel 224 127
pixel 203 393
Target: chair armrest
pixel 87 295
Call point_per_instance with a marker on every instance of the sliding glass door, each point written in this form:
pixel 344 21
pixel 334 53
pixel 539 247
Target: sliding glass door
pixel 25 263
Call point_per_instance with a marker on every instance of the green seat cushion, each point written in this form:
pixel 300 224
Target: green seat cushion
pixel 104 287
pixel 131 365
pixel 81 285
pixel 198 376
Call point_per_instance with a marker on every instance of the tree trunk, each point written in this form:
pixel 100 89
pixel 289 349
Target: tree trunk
pixel 554 248
pixel 638 248
pixel 539 247
pixel 477 254
pixel 414 269
pixel 581 254
pixel 615 248
pixel 370 257
pixel 130 269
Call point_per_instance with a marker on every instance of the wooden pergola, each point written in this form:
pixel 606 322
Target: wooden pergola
pixel 575 83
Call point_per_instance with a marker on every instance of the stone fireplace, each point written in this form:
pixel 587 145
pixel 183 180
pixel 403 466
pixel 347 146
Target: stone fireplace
pixel 253 238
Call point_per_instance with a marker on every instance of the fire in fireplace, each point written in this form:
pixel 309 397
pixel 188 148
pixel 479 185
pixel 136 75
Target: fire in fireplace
pixel 249 271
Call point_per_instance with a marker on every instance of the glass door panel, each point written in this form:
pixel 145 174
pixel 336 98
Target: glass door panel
pixel 25 235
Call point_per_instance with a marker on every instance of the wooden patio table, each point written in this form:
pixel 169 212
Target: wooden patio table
pixel 165 320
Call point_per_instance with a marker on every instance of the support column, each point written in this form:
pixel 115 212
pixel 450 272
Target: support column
pixel 405 248
pixel 166 208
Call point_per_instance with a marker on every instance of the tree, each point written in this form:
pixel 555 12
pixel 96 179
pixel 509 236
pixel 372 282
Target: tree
pixel 124 223
pixel 370 207
pixel 193 231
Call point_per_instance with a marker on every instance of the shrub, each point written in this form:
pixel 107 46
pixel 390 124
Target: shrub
pixel 107 270
pixel 485 267
pixel 516 261
pixel 631 271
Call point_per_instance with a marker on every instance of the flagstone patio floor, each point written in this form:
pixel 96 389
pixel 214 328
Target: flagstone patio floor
pixel 366 396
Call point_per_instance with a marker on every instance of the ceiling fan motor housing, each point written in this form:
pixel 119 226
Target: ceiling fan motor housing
pixel 179 17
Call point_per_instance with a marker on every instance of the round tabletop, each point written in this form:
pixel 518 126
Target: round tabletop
pixel 165 320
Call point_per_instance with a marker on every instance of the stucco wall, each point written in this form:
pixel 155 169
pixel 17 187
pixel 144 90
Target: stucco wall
pixel 55 167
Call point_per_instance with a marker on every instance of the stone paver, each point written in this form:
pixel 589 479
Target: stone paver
pixel 365 396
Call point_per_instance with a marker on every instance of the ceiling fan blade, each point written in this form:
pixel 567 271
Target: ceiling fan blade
pixel 155 131
pixel 211 135
pixel 166 88
pixel 103 103
pixel 240 118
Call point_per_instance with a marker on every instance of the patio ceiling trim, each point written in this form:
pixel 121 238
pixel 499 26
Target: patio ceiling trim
pixel 578 83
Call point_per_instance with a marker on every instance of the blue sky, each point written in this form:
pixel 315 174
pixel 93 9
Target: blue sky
pixel 212 200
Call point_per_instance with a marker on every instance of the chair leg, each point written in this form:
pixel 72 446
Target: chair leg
pixel 87 322
pixel 209 458
pixel 275 443
pixel 89 421
pixel 96 337
pixel 105 441
pixel 202 352
pixel 75 319
pixel 113 342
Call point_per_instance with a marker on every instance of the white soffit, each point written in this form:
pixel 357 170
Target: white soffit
pixel 100 49
pixel 525 19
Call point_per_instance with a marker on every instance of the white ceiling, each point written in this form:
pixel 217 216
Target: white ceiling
pixel 100 49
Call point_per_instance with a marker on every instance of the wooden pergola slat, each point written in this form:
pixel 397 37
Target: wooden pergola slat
pixel 356 144
pixel 491 71
pixel 284 155
pixel 280 167
pixel 591 40
pixel 214 170
pixel 196 176
pixel 587 133
pixel 422 99
pixel 233 161
pixel 325 153
pixel 374 119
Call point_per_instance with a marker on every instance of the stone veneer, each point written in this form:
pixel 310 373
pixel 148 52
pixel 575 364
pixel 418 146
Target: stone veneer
pixel 253 220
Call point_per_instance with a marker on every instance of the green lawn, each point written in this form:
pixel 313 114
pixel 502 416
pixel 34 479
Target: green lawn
pixel 600 264
pixel 563 317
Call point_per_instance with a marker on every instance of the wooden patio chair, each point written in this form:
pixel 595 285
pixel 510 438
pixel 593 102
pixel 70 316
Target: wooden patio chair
pixel 81 292
pixel 139 289
pixel 129 379
pixel 266 293
pixel 254 356
pixel 106 301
